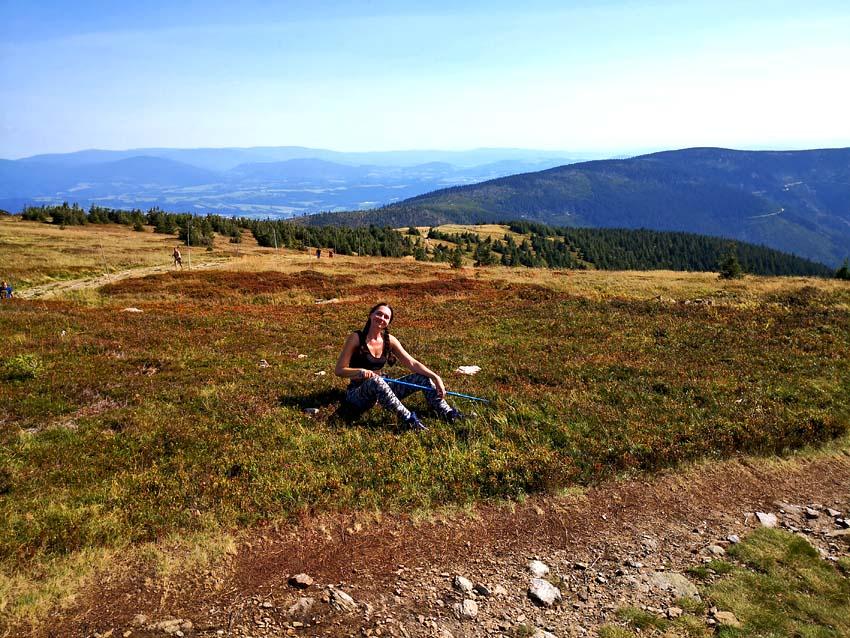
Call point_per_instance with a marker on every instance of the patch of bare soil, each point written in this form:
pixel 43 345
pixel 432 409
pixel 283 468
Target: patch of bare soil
pixel 604 548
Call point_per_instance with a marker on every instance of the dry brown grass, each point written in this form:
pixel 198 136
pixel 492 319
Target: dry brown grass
pixel 35 253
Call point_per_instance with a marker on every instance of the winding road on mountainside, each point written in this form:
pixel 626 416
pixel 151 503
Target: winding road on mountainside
pixel 57 288
pixel 607 546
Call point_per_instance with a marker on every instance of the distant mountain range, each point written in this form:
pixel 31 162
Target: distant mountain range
pixel 265 181
pixel 794 201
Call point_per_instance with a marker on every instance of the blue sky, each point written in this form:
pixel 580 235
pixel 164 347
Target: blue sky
pixel 612 76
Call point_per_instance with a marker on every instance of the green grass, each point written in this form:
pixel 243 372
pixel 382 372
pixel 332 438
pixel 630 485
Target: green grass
pixel 777 586
pixel 136 425
pixel 783 588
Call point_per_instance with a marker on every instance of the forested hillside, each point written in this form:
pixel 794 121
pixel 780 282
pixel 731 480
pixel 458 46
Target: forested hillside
pixel 795 201
pixel 538 246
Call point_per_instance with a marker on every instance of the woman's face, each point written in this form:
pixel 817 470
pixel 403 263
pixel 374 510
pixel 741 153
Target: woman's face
pixel 381 316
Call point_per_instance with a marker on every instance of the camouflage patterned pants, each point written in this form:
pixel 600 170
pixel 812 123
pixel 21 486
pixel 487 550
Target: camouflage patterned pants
pixel 389 395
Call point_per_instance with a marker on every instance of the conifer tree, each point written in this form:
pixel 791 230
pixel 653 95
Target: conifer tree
pixel 730 267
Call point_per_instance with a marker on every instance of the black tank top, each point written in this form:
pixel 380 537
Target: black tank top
pixel 362 358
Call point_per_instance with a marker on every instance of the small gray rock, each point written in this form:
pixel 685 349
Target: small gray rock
pixel 676 583
pixel 467 610
pixel 462 584
pixel 540 633
pixel 833 513
pixel 767 519
pixel 811 513
pixel 341 601
pixel 726 618
pixel 302 606
pixel 716 550
pixel 543 592
pixel 734 539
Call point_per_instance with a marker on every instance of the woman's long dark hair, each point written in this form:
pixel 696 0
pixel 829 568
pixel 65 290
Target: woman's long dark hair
pixel 391 359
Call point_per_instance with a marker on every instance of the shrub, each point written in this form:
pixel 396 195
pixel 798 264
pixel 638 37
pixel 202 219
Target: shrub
pixel 23 367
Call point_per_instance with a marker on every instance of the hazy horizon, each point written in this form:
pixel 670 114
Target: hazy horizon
pixel 610 78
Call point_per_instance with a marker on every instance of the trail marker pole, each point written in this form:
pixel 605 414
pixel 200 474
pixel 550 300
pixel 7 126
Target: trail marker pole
pixel 425 387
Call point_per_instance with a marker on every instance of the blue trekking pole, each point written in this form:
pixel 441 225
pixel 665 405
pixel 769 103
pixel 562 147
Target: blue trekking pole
pixel 425 387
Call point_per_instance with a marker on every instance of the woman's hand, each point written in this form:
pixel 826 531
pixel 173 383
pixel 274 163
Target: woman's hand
pixel 438 385
pixel 367 374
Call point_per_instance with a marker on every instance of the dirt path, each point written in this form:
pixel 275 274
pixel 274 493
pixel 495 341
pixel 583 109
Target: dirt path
pixel 58 288
pixel 603 546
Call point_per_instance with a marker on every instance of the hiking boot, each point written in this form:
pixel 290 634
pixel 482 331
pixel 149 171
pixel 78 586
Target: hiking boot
pixel 453 416
pixel 414 423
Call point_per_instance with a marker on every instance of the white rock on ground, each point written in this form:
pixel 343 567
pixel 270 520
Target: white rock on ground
pixel 543 592
pixel 767 519
pixel 538 568
pixel 467 610
pixel 462 584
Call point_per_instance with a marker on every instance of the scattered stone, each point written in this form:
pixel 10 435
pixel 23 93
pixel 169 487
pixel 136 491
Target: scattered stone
pixel 302 356
pixel 734 539
pixel 264 364
pixel 172 626
pixel 140 620
pixel 581 566
pixel 726 618
pixel 833 513
pixel 674 612
pixel 766 519
pixel 634 564
pixel 796 510
pixel 462 584
pixel 321 373
pixel 543 592
pixel 843 522
pixel 676 583
pixel 811 513
pixel 839 533
pixel 539 633
pixel 538 568
pixel 302 606
pixel 467 610
pixel 716 550
pixel 300 581
pixel 341 601
pixel 498 590
pixel 131 309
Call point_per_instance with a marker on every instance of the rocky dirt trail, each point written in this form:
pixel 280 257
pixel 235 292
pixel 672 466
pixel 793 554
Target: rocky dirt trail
pixel 471 573
pixel 58 288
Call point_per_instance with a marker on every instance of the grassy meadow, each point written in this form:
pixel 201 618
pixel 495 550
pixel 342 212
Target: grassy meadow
pixel 123 427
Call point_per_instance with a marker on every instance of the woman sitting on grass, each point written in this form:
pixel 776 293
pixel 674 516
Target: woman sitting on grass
pixel 366 351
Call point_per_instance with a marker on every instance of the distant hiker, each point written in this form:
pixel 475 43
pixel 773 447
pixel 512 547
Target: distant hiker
pixel 331 253
pixel 366 352
pixel 5 291
pixel 318 253
pixel 178 258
